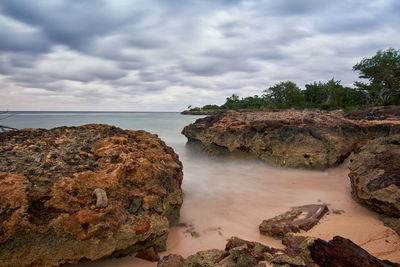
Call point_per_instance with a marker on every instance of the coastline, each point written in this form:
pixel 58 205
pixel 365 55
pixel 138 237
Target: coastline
pixel 254 191
pixel 332 186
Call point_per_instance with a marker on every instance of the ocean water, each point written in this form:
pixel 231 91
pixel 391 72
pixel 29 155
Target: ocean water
pixel 230 196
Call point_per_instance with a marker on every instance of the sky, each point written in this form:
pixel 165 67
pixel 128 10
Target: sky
pixel 164 55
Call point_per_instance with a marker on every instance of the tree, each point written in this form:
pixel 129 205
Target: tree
pixel 332 95
pixel 315 94
pixel 232 102
pixel 383 73
pixel 252 102
pixel 210 107
pixel 354 97
pixel 284 95
pixel 335 93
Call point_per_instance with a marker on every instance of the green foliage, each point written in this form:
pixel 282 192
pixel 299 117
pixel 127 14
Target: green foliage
pixel 315 94
pixel 232 102
pixel 210 107
pixel 332 95
pixel 251 102
pixel 383 74
pixel 284 95
pixel 354 97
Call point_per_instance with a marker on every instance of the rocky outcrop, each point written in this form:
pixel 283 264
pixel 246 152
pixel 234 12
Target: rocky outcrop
pixel 86 192
pixel 239 252
pixel 299 251
pixel 297 139
pixel 343 252
pixel 374 113
pixel 299 218
pixel 375 177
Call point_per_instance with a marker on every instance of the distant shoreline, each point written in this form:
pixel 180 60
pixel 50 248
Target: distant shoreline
pixel 77 111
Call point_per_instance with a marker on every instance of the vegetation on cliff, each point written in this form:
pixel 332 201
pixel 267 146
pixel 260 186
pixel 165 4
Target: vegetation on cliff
pixel 383 88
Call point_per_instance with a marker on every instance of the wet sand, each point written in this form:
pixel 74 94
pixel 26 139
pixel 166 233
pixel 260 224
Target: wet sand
pixel 227 197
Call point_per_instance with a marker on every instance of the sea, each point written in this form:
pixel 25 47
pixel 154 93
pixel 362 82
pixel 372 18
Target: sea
pixel 227 196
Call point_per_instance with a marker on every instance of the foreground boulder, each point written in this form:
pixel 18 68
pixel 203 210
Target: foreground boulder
pixel 375 177
pixel 343 252
pixel 85 192
pixel 299 218
pixel 299 251
pixel 297 139
pixel 242 253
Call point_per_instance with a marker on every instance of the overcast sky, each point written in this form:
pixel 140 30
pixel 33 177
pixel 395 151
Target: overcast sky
pixel 165 55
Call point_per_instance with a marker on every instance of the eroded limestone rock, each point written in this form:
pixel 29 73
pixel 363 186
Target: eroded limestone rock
pixel 375 175
pixel 48 213
pixel 375 178
pixel 297 139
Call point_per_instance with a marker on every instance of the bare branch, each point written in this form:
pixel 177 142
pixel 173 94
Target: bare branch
pixel 4 128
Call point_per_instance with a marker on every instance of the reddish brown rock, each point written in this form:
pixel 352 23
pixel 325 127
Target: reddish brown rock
pixel 343 252
pixel 84 192
pixel 299 218
pixel 142 227
pixel 148 254
pixel 300 251
pixel 172 260
pixel 297 139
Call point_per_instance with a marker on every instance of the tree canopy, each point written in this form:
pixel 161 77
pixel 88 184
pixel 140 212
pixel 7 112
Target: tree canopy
pixel 382 72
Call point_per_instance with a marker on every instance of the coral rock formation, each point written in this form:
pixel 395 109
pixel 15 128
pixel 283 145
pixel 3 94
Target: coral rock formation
pixel 85 192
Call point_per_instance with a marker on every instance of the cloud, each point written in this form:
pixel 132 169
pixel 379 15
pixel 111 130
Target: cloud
pixel 19 37
pixel 165 55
